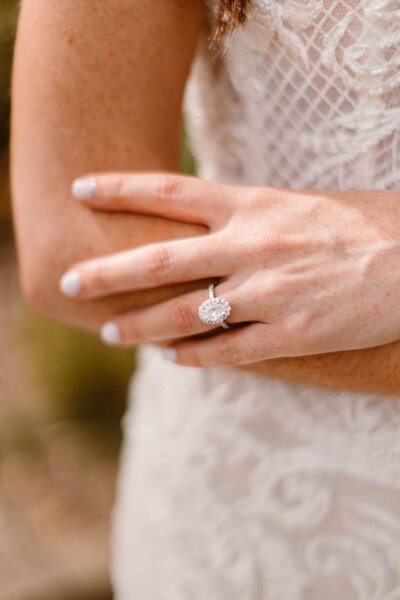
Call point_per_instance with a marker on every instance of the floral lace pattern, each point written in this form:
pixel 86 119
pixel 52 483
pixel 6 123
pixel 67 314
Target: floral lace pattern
pixel 238 487
pixel 309 89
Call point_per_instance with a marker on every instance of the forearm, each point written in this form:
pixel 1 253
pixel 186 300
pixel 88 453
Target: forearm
pixel 371 370
pixel 90 93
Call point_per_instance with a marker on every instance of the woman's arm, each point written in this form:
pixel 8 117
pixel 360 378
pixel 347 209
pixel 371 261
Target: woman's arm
pixel 371 370
pixel 306 272
pixel 96 86
pixel 90 93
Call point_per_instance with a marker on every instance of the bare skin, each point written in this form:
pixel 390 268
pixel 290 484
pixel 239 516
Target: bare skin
pixel 108 104
pixel 113 102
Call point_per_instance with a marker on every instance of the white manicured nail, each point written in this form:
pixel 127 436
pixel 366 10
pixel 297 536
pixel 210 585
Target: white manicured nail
pixel 83 188
pixel 170 354
pixel 70 283
pixel 110 333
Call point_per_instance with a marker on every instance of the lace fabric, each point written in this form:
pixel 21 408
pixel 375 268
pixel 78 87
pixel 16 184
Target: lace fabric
pixel 234 486
pixel 305 95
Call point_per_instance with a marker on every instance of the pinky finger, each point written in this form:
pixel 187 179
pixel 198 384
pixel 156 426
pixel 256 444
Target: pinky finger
pixel 238 346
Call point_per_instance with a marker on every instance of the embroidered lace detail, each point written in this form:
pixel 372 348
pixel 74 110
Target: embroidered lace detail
pixel 238 487
pixel 306 94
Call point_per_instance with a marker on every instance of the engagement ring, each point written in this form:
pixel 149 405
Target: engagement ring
pixel 214 311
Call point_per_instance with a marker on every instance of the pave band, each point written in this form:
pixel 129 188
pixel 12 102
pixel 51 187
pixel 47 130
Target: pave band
pixel 214 311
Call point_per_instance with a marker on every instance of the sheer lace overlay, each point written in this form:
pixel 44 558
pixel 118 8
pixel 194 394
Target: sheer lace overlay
pixel 306 94
pixel 233 486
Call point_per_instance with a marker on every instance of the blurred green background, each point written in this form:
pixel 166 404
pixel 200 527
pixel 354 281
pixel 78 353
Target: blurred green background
pixel 62 395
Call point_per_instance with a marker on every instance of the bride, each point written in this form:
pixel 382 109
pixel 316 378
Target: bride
pixel 261 455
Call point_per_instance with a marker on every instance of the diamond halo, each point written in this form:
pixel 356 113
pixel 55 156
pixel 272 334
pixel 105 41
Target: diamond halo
pixel 214 311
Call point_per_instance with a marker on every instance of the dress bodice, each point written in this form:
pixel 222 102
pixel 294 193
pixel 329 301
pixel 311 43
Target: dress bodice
pixel 235 486
pixel 305 94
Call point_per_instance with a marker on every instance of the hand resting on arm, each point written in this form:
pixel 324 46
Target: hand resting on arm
pixel 306 271
pixel 96 85
pixel 92 94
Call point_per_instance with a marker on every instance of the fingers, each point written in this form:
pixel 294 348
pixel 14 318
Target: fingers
pixel 150 266
pixel 247 344
pixel 169 195
pixel 172 319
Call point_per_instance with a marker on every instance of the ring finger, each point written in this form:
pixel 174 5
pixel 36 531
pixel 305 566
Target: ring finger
pixel 172 319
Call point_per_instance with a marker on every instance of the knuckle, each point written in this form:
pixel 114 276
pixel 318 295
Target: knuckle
pixel 272 245
pixel 119 187
pixel 99 278
pixel 276 291
pixel 167 186
pixel 122 190
pixel 262 197
pixel 200 360
pixel 158 264
pixel 230 353
pixel 258 197
pixel 183 317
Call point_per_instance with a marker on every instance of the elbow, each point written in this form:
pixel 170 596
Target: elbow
pixel 41 292
pixel 39 279
pixel 38 291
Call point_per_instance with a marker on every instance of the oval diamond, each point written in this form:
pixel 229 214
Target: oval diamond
pixel 214 311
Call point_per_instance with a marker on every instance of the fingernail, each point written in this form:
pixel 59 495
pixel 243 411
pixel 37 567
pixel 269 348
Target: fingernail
pixel 70 283
pixel 170 354
pixel 83 188
pixel 110 333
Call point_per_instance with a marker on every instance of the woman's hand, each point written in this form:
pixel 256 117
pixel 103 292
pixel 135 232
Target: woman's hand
pixel 305 271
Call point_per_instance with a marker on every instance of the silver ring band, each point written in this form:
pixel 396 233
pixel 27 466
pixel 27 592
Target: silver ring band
pixel 214 311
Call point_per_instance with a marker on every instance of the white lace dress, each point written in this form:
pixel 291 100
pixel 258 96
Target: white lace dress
pixel 234 486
